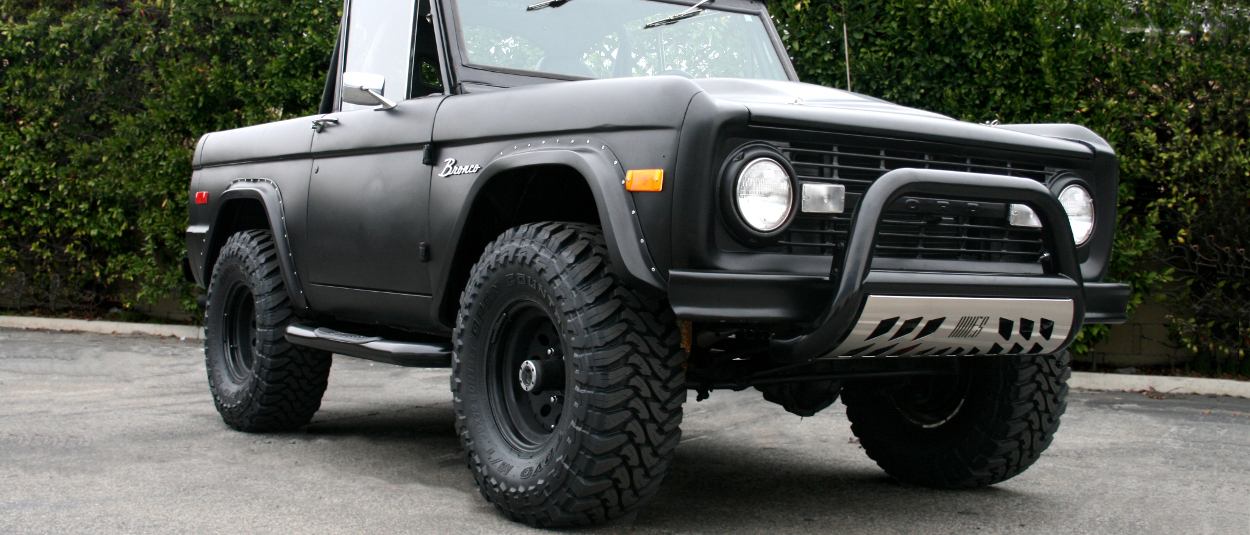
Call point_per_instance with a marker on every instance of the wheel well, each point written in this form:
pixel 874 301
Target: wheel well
pixel 511 198
pixel 236 215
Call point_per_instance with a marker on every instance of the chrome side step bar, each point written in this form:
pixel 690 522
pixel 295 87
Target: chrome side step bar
pixel 376 348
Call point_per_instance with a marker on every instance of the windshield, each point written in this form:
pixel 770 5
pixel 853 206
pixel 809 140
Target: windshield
pixel 607 39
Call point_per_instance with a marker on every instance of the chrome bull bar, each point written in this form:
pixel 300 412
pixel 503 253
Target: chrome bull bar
pixel 852 315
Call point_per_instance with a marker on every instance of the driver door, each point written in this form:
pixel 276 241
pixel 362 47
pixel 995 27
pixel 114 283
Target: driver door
pixel 369 192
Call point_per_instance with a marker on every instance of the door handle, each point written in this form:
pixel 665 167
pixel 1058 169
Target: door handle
pixel 319 124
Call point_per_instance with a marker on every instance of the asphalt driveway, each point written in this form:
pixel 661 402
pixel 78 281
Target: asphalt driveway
pixel 117 434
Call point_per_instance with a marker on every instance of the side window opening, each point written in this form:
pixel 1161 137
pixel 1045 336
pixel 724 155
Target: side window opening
pixel 379 42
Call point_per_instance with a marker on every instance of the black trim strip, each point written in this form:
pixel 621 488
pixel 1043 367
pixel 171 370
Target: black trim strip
pixel 322 155
pixel 370 290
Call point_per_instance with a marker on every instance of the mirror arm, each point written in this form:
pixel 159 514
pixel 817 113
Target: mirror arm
pixel 386 103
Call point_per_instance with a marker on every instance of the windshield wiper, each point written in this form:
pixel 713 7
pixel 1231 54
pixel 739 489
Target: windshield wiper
pixel 546 3
pixel 694 11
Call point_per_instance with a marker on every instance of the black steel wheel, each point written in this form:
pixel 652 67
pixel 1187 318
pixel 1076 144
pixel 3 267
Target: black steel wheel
pixel 929 402
pixel 260 381
pixel 527 416
pixel 239 340
pixel 983 426
pixel 567 385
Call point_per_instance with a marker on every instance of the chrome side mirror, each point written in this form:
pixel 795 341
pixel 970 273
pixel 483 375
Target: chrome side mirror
pixel 365 89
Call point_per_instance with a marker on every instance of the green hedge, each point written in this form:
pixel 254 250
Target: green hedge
pixel 102 102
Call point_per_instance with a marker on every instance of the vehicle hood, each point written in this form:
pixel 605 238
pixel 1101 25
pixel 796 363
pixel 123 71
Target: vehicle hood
pixel 750 92
pixel 796 105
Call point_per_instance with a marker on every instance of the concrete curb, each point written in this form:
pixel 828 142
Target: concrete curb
pixel 1160 383
pixel 104 327
pixel 1082 380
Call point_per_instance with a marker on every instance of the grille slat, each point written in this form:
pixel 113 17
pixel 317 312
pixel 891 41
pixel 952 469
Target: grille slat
pixel 968 165
pixel 953 251
pixel 973 238
pixel 965 225
pixel 908 235
pixel 817 231
pixel 794 244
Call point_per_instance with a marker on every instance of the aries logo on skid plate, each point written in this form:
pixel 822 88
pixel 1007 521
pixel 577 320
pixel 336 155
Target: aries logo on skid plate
pixel 452 169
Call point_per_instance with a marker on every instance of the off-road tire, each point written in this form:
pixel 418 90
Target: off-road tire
pixel 624 390
pixel 279 387
pixel 1009 415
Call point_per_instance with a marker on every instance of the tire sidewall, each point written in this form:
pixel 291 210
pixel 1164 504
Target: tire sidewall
pixel 505 466
pixel 231 395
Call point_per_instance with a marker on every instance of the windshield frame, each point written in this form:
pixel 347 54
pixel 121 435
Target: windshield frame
pixel 471 77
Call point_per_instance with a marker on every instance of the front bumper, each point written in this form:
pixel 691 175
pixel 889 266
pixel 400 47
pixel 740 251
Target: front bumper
pixel 843 311
pixel 718 297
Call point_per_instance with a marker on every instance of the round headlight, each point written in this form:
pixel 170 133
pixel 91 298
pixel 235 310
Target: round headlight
pixel 1080 208
pixel 764 194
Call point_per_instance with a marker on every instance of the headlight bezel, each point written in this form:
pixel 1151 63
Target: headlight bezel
pixel 732 214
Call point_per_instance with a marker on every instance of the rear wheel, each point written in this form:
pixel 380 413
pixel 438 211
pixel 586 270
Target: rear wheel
pixel 567 385
pixel 260 381
pixel 983 426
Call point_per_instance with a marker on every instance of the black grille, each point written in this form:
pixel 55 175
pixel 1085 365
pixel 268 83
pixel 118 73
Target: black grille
pixel 983 236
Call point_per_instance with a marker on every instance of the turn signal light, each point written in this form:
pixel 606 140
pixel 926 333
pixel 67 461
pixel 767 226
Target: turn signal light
pixel 201 197
pixel 1020 215
pixel 644 180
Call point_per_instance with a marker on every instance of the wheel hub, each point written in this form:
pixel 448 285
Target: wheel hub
pixel 538 375
pixel 530 376
pixel 930 402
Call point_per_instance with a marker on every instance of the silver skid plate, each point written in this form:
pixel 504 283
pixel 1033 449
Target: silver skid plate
pixel 899 326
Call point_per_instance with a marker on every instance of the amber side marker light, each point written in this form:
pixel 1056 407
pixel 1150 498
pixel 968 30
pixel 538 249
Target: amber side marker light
pixel 644 180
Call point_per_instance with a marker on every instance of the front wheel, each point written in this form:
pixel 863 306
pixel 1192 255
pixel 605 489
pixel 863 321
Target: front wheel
pixel 985 425
pixel 567 385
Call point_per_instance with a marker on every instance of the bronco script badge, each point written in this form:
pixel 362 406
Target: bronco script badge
pixel 452 169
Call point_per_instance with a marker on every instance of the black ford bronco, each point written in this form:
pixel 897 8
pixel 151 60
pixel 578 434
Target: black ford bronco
pixel 587 208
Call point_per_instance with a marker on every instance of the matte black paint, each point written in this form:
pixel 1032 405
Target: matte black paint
pixel 367 200
pixel 359 199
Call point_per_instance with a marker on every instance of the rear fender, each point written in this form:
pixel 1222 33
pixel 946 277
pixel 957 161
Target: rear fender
pixel 266 191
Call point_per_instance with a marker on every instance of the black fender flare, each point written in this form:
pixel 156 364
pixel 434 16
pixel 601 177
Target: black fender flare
pixel 627 247
pixel 270 196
